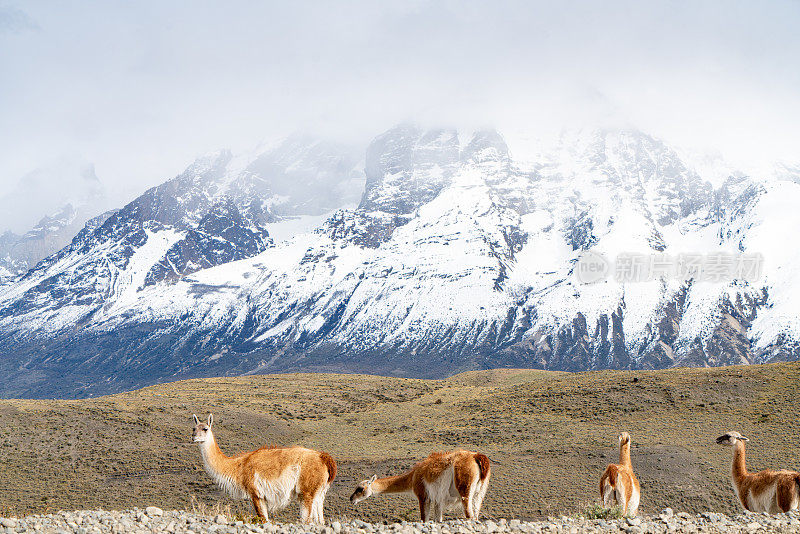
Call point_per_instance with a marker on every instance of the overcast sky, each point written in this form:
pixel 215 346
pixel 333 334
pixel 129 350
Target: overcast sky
pixel 140 88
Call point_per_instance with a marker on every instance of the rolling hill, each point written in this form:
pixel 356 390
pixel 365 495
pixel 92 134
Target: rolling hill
pixel 134 449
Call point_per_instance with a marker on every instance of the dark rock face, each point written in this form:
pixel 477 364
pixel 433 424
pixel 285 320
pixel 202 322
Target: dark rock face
pixel 18 253
pixel 407 167
pixel 362 229
pixel 184 200
pixel 658 352
pixel 222 236
pixel 729 343
pixel 580 232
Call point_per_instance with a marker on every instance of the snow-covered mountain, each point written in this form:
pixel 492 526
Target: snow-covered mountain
pixel 460 255
pixel 61 211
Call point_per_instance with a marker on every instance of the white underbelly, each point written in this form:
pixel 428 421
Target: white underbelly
pixel 764 502
pixel 278 492
pixel 229 486
pixel 443 489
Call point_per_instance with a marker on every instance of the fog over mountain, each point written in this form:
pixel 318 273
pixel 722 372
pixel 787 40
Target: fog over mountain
pixel 149 86
pixel 44 210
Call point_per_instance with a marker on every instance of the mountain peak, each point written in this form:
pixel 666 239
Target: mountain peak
pixel 407 167
pixel 486 145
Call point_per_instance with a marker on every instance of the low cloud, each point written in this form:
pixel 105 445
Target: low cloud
pixel 14 20
pixel 139 89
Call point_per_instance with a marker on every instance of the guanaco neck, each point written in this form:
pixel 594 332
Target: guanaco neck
pixel 738 467
pixel 395 484
pixel 625 454
pixel 224 470
pixel 214 460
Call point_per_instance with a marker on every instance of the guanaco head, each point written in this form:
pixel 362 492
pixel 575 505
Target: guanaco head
pixel 624 438
pixel 201 430
pixel 731 438
pixel 363 490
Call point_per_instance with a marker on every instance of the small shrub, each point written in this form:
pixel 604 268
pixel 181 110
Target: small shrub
pixel 7 511
pixel 598 511
pixel 246 517
pixel 203 510
pixel 238 512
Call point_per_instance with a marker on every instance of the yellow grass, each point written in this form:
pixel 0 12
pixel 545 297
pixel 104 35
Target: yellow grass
pixel 549 436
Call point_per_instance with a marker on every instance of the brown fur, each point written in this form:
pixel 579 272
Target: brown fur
pixel 751 487
pixel 468 468
pixel 483 465
pixel 239 473
pixel 330 463
pixel 620 478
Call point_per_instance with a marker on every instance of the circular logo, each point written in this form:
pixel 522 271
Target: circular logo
pixel 591 267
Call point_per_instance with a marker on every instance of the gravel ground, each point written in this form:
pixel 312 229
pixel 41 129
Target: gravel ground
pixel 155 520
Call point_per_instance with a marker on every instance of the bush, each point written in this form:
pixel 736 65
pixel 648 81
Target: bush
pixel 598 511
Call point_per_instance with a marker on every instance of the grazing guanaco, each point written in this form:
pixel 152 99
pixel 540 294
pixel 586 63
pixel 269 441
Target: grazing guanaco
pixel 269 477
pixel 439 482
pixel 766 491
pixel 619 482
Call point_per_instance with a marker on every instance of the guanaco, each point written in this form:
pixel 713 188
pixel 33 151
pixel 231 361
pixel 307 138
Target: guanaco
pixel 269 477
pixel 439 482
pixel 618 481
pixel 766 491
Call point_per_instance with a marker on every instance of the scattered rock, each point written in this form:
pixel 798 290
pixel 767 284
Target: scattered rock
pixel 154 511
pixel 179 522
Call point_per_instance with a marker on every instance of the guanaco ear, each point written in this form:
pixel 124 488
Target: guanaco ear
pixel 210 419
pixel 196 420
pixel 373 479
pixel 743 438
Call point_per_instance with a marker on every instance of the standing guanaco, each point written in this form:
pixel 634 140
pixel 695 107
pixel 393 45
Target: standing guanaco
pixel 619 482
pixel 269 477
pixel 766 491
